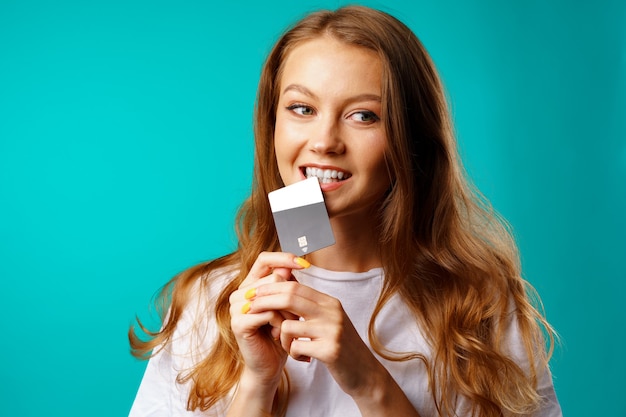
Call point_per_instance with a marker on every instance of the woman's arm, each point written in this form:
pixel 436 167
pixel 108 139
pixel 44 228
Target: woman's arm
pixel 252 399
pixel 382 396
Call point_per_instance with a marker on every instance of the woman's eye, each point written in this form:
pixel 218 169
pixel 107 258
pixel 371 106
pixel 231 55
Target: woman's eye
pixel 365 116
pixel 301 109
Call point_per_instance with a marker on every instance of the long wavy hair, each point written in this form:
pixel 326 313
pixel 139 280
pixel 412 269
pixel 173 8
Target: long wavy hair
pixel 444 250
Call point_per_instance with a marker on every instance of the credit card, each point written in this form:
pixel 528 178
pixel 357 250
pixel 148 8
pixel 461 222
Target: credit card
pixel 301 217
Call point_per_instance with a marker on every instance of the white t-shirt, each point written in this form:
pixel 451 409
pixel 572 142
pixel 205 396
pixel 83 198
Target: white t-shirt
pixel 314 393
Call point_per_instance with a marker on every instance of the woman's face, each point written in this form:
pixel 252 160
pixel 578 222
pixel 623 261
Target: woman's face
pixel 328 123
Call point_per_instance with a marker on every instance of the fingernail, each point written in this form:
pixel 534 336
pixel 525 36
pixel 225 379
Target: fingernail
pixel 245 308
pixel 302 262
pixel 250 294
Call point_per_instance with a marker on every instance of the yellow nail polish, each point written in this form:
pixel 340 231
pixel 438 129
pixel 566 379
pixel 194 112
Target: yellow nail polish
pixel 250 294
pixel 302 262
pixel 245 308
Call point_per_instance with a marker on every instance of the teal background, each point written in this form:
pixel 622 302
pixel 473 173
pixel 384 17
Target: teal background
pixel 126 148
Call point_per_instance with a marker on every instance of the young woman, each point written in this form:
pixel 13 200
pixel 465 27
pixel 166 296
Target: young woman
pixel 419 309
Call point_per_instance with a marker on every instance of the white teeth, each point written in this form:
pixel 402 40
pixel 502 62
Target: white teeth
pixel 325 175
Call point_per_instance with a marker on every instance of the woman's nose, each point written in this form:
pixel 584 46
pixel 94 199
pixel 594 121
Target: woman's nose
pixel 327 139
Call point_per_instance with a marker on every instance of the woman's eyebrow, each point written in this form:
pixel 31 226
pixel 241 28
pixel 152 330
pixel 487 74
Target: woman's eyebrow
pixel 359 97
pixel 300 89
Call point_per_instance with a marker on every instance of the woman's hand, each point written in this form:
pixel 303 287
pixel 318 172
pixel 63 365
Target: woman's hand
pixel 257 332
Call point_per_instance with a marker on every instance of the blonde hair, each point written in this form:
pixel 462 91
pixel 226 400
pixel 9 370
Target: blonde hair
pixel 444 250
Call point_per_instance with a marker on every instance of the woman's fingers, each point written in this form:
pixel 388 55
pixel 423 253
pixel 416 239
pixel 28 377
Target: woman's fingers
pixel 246 319
pixel 249 324
pixel 279 263
pixel 291 297
pixel 247 292
pixel 270 267
pixel 318 338
pixel 290 336
pixel 313 322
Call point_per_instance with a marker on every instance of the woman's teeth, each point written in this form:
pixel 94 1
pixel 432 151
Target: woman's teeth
pixel 325 175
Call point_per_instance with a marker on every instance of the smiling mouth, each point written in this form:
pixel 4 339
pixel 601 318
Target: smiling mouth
pixel 325 175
